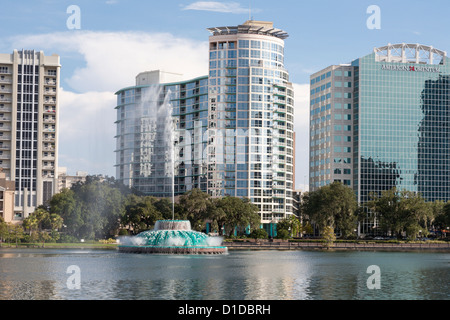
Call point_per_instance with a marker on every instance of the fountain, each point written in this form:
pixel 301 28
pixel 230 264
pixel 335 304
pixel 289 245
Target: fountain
pixel 169 236
pixel 172 237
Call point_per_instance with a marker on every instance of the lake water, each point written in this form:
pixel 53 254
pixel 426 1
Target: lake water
pixel 48 274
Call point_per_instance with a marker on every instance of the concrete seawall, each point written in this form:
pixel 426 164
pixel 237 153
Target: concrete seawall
pixel 444 247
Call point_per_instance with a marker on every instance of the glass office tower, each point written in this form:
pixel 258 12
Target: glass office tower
pixel 251 137
pixel 383 122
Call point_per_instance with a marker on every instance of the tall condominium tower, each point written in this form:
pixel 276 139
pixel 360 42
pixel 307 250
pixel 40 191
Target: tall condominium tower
pixel 234 127
pixel 251 137
pixel 29 83
pixel 382 121
pixel 161 134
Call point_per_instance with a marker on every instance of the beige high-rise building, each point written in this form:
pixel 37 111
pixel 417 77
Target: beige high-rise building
pixel 29 84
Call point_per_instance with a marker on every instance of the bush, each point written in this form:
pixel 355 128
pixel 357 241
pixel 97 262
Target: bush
pixel 259 234
pixel 283 234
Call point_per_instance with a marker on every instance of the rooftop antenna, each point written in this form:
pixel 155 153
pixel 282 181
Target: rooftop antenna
pixel 250 10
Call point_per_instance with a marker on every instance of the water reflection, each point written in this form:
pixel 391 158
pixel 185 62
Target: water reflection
pixel 245 275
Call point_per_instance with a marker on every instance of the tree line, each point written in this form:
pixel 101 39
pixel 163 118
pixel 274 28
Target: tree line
pixel 100 208
pixel 398 213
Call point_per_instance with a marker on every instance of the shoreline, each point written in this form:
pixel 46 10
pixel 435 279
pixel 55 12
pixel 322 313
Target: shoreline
pixel 441 247
pixel 265 245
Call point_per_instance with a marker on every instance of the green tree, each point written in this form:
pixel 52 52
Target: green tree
pixel 3 231
pixel 292 225
pixel 65 205
pixel 329 236
pixel 140 213
pixel 403 211
pixel 90 209
pixel 195 205
pixel 333 206
pixel 259 234
pixel 37 223
pixel 442 221
pixel 233 212
pixel 16 232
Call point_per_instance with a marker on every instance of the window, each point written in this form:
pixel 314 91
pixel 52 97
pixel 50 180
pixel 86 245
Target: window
pixel 243 43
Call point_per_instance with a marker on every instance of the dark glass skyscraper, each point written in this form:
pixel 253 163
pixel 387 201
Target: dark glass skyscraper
pixel 383 122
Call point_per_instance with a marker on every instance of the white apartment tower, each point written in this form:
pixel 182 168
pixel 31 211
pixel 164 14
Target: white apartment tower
pixel 251 119
pixel 29 83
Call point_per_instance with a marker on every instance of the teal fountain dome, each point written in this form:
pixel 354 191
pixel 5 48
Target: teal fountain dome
pixel 172 237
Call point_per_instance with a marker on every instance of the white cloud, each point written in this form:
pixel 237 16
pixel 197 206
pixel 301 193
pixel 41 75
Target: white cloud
pixel 113 59
pixel 215 6
pixel 111 62
pixel 87 130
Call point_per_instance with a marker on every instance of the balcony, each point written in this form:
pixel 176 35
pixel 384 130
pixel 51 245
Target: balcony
pixel 48 120
pixel 5 128
pixel 5 147
pixel 5 109
pixel 5 137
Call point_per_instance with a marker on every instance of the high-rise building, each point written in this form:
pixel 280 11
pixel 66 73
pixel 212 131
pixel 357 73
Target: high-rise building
pixel 29 83
pixel 251 114
pixel 234 127
pixel 381 122
pixel 154 155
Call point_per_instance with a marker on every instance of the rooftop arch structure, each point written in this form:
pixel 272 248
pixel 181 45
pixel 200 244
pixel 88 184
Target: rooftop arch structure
pixel 251 27
pixel 410 53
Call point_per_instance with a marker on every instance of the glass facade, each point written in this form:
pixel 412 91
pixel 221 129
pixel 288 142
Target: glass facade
pixel 161 131
pixel 403 128
pixel 251 137
pixel 384 123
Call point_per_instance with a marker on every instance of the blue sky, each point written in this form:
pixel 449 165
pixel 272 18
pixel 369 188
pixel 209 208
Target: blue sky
pixel 119 38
